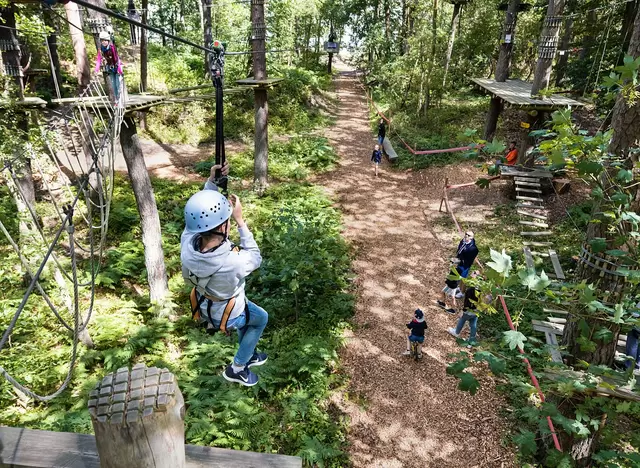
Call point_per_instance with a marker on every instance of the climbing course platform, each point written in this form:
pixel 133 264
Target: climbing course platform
pixel 26 102
pixel 518 93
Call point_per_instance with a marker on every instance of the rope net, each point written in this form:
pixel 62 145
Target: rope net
pixel 62 185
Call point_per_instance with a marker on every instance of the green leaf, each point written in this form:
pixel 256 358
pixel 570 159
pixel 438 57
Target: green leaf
pixel 580 429
pixel 498 366
pixel 620 198
pixel 617 314
pixel 624 175
pixel 526 442
pixel 598 244
pixel 457 367
pixel 603 334
pixel 483 183
pixel 617 253
pixel 501 262
pixel 495 147
pixel 588 167
pixel 513 339
pixel 468 383
pixel 534 282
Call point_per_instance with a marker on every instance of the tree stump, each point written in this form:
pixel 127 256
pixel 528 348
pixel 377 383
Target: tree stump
pixel 138 419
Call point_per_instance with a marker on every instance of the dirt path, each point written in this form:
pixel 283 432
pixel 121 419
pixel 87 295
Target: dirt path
pixel 404 414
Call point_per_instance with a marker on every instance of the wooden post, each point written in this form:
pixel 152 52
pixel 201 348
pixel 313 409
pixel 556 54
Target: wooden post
pixel 261 106
pixel 138 419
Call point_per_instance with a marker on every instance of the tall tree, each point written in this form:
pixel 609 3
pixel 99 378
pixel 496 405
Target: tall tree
pixel 52 45
pixel 206 28
pixel 567 34
pixel 148 210
pixel 455 19
pixel 503 65
pixel 144 59
pixel 261 105
pixel 548 46
pixel 83 70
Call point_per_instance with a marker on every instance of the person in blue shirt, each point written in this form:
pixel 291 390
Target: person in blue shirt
pixel 632 349
pixel 376 157
pixel 416 327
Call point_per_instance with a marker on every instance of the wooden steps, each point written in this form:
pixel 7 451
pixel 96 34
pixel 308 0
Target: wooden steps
pixel 532 215
pixel 527 182
pixel 520 197
pixel 536 233
pixel 529 205
pixel 526 189
pixel 533 223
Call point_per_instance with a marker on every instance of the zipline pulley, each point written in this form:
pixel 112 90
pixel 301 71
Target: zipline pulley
pixel 216 68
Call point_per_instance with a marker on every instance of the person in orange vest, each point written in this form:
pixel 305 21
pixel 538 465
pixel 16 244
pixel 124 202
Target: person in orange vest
pixel 512 154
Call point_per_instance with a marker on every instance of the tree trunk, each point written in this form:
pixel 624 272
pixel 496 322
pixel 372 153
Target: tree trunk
pixel 83 71
pixel 52 44
pixel 403 30
pixel 611 288
pixel 387 26
pixel 630 12
pixel 548 46
pixel 561 66
pixel 503 66
pixel 432 56
pixel 495 107
pixel 144 59
pixel 452 37
pixel 146 202
pixel 261 143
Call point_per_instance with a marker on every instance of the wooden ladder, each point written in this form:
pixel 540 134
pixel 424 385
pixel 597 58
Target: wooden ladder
pixel 534 222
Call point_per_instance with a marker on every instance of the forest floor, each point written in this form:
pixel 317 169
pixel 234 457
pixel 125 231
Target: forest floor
pixel 403 413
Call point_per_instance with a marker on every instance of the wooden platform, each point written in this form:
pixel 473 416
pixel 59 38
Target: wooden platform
pixel 388 150
pixel 518 93
pixel 28 448
pixel 253 83
pixel 26 102
pixel 134 102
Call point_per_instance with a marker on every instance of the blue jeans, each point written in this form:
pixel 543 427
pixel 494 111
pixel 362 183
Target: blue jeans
pixel 473 324
pixel 632 348
pixel 380 139
pixel 115 82
pixel 248 333
pixel 419 339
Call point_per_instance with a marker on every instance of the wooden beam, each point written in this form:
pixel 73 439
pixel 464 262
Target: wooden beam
pixel 528 258
pixel 533 223
pixel 556 264
pixel 29 448
pixel 537 233
pixel 537 244
pixel 527 189
pixel 529 199
pixel 532 215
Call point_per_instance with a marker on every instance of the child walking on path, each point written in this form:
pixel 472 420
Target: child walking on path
pixel 376 157
pixel 471 298
pixel 450 289
pixel 416 328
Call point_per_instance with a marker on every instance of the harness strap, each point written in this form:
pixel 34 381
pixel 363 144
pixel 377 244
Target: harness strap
pixel 225 315
pixel 196 302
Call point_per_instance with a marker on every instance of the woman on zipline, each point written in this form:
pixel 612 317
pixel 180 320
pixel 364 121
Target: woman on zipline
pixel 217 269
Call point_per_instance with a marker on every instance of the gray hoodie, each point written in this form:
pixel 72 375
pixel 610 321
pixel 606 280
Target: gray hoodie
pixel 220 274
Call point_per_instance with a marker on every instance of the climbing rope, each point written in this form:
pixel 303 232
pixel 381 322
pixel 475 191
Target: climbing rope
pixel 87 141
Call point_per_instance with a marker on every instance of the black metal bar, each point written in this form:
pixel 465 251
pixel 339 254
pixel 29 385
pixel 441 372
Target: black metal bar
pixel 113 14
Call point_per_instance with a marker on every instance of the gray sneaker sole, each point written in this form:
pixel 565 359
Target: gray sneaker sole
pixel 258 363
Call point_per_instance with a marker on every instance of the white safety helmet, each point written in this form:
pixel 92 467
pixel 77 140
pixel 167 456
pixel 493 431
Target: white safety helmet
pixel 104 35
pixel 206 210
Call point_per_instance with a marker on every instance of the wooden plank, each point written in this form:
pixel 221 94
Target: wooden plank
pixel 536 233
pixel 529 198
pixel 529 205
pixel 532 215
pixel 388 150
pixel 556 356
pixel 555 311
pixel 556 264
pixel 528 258
pixel 526 189
pixel 537 244
pixel 526 181
pixel 29 448
pixel 539 254
pixel 534 223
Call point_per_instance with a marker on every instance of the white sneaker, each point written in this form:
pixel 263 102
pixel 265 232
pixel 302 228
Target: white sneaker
pixel 459 295
pixel 406 353
pixel 452 332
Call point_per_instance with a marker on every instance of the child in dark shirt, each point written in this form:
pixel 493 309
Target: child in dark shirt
pixel 416 328
pixel 376 157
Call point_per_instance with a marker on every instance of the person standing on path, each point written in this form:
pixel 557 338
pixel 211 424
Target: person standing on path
pixel 471 298
pixel 382 131
pixel 217 270
pixel 376 157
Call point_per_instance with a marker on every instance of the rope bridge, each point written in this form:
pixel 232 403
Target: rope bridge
pixel 74 167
